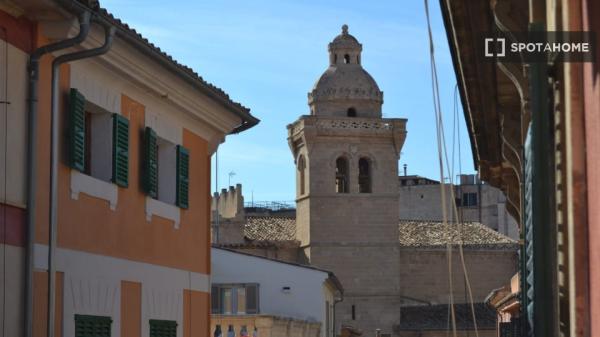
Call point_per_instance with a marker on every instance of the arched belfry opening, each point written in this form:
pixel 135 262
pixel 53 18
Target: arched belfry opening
pixel 346 59
pixel 341 175
pixel 364 175
pixel 302 174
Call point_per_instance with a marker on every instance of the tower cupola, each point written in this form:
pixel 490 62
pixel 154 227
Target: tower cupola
pixel 344 49
pixel 345 89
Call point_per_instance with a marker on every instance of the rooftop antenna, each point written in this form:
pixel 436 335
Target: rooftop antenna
pixel 231 174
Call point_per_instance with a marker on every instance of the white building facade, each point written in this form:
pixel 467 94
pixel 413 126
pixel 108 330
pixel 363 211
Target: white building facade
pixel 244 284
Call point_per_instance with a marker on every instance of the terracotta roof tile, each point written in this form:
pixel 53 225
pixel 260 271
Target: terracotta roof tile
pixel 417 233
pixel 411 233
pixel 270 228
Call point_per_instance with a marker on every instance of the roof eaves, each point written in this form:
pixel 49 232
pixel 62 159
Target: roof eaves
pixel 457 70
pixel 186 73
pixel 273 260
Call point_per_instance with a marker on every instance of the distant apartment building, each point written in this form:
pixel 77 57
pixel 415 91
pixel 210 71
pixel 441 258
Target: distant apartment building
pixel 114 240
pixel 254 295
pixel 420 198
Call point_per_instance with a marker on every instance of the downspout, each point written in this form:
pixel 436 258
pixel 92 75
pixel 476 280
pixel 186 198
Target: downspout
pixel 33 75
pixel 109 32
pixel 336 301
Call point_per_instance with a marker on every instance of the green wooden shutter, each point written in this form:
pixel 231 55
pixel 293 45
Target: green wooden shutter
pixel 120 151
pixel 162 328
pixel 215 300
pixel 183 174
pixel 76 130
pixel 252 302
pixel 528 284
pixel 92 326
pixel 150 166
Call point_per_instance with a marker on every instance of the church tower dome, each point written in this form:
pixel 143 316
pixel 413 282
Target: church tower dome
pixel 347 190
pixel 345 88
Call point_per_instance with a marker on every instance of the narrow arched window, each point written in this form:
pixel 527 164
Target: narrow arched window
pixel 301 174
pixel 364 175
pixel 346 58
pixel 351 112
pixel 341 175
pixel 335 58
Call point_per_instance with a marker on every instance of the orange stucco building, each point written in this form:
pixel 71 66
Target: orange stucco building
pixel 135 133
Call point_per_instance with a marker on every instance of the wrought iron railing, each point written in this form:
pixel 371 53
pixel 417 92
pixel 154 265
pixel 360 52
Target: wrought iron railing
pixel 271 205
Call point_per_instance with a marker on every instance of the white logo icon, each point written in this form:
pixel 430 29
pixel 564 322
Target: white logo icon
pixel 502 42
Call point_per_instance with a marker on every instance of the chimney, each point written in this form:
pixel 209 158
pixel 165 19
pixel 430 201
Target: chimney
pixel 404 169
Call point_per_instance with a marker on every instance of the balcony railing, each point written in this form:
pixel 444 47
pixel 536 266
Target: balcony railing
pixel 273 206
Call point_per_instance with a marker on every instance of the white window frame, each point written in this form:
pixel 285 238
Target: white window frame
pixel 172 133
pixel 90 185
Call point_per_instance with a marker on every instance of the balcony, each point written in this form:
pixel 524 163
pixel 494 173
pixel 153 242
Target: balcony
pixel 265 326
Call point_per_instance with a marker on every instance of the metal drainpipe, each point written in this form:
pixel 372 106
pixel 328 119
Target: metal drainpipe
pixel 336 301
pixel 33 74
pixel 109 32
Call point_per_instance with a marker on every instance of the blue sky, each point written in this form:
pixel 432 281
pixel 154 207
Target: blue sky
pixel 268 54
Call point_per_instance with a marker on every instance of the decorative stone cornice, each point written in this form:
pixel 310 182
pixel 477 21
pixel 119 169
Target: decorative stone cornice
pixel 345 93
pixel 307 129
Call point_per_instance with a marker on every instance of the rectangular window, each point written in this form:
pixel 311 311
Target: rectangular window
pixel 165 170
pixel 227 301
pixel 163 328
pixel 234 299
pixel 92 326
pixel 241 300
pixel 98 141
pixel 469 199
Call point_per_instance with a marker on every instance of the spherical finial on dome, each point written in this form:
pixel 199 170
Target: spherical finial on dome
pixel 345 29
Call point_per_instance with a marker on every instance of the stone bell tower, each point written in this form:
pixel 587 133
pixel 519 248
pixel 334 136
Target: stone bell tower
pixel 346 158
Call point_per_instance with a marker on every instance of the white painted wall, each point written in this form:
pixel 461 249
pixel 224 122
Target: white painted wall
pixel 92 286
pixel 12 290
pixel 305 301
pixel 13 125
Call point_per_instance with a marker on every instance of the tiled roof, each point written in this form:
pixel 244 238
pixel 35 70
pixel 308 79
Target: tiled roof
pixel 411 233
pixel 270 228
pixel 131 35
pixel 417 233
pixel 435 317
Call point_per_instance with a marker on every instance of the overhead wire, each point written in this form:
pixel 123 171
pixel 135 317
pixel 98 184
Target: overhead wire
pixel 443 154
pixel 439 132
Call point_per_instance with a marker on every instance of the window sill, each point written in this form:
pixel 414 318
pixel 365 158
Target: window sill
pixel 82 183
pixel 163 210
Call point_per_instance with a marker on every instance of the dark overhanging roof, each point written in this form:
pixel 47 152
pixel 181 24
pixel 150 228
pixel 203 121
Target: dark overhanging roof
pixel 436 317
pixel 186 73
pixel 461 89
